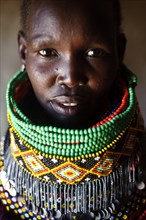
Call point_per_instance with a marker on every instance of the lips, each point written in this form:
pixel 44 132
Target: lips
pixel 68 105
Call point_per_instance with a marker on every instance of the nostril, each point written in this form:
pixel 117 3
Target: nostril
pixel 69 81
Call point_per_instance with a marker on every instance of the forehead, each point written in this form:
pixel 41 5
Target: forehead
pixel 88 16
pixel 99 10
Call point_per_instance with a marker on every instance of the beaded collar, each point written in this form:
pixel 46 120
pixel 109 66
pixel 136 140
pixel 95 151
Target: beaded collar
pixel 133 209
pixel 71 144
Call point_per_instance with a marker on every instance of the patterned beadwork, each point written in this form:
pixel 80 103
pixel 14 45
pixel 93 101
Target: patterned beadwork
pixel 69 171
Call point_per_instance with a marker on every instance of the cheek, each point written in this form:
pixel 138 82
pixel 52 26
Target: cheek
pixel 103 78
pixel 41 75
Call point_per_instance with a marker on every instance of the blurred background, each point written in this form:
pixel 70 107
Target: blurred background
pixel 134 25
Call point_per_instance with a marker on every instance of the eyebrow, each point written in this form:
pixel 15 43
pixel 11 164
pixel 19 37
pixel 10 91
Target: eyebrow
pixel 40 39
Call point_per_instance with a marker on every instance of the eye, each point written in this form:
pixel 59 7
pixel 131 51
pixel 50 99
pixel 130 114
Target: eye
pixel 96 53
pixel 48 53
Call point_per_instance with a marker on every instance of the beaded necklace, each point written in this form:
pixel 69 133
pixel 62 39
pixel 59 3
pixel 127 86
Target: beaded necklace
pixel 71 144
pixel 130 210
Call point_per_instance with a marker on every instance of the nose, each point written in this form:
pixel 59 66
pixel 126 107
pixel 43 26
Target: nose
pixel 72 73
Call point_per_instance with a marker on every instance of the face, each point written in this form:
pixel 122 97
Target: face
pixel 71 53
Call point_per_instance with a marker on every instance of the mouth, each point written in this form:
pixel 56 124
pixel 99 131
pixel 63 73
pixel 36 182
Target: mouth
pixel 68 106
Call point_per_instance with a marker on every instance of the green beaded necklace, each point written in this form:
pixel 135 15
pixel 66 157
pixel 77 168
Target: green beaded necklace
pixel 53 141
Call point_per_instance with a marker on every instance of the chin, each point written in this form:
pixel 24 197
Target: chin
pixel 73 122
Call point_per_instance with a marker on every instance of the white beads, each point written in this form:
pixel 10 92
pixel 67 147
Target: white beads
pixel 140 185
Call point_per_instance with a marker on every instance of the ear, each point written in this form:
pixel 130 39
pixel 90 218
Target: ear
pixel 122 41
pixel 22 46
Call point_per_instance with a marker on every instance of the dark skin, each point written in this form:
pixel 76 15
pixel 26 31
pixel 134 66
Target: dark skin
pixel 72 52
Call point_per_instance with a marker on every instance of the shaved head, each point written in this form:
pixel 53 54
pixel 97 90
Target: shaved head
pixel 26 9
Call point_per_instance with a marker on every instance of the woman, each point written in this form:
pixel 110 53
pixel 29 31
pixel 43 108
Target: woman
pixel 74 146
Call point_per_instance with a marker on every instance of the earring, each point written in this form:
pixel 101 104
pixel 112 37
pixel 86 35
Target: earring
pixel 23 67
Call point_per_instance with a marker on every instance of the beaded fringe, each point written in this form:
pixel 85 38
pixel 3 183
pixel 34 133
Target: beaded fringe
pixel 93 196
